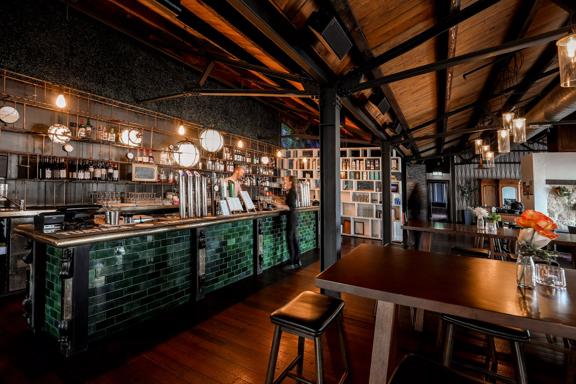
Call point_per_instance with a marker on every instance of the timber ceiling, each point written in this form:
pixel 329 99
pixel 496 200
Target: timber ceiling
pixel 274 45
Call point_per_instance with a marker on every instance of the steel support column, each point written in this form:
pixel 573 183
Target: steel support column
pixel 330 239
pixel 386 197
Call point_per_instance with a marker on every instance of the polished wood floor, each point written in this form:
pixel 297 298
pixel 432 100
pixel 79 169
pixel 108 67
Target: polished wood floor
pixel 226 339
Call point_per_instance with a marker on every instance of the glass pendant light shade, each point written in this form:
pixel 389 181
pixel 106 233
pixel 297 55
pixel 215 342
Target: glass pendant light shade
pixel 478 143
pixel 519 129
pixel 489 159
pixel 211 140
pixel 503 140
pixel 485 149
pixel 567 60
pixel 279 153
pixel 60 101
pixel 186 154
pixel 507 118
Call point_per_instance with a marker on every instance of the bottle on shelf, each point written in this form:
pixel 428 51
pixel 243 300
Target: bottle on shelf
pixel 115 173
pixel 110 171
pixel 97 174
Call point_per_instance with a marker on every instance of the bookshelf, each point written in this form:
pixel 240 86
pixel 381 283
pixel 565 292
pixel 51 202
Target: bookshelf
pixel 361 192
pixel 396 197
pixel 305 165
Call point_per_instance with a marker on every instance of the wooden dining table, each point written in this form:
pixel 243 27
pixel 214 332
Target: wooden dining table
pixel 473 288
pixel 428 229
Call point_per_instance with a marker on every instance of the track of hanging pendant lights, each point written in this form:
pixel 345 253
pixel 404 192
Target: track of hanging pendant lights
pixel 567 60
pixel 519 129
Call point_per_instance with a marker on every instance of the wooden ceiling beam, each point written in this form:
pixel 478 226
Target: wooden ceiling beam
pixel 445 49
pixel 361 53
pixel 517 29
pixel 422 37
pixel 508 47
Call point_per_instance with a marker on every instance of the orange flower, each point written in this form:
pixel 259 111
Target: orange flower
pixel 539 222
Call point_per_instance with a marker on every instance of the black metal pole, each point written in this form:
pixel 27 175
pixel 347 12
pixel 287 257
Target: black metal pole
pixel 330 240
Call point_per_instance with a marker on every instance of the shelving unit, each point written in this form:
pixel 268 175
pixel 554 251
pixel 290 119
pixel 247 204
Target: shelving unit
pixel 396 197
pixel 305 165
pixel 361 192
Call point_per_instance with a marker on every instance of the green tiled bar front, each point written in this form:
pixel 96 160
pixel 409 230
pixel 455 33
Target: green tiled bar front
pixel 135 278
pixel 229 249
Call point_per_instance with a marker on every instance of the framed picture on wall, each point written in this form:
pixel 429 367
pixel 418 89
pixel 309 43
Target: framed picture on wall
pixel 359 228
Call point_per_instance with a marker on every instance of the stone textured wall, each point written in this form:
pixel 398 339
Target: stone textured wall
pixel 416 176
pixel 39 40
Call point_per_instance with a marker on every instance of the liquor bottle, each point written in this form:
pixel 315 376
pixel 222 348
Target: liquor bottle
pixel 115 173
pixel 150 156
pixel 63 168
pixel 40 167
pixel 73 173
pixel 97 174
pixel 48 169
pixel 88 129
pixel 91 171
pixel 103 171
pixel 110 172
pixel 112 135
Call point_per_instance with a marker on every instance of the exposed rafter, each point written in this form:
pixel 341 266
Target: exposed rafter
pixel 511 46
pixel 428 34
pixel 517 29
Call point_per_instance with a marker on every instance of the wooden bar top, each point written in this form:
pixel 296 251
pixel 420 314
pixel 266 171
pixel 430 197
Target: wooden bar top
pixel 470 287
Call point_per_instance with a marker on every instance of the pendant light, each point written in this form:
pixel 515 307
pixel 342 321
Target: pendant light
pixel 519 129
pixel 478 143
pixel 507 118
pixel 60 101
pixel 567 60
pixel 211 140
pixel 503 140
pixel 279 154
pixel 181 130
pixel 489 159
pixel 240 144
pixel 485 149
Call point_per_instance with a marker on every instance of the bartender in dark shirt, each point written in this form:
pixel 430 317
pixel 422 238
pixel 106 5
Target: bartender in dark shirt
pixel 291 202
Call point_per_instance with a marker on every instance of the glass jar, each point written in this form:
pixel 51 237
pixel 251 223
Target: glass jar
pixel 525 270
pixel 491 226
pixel 480 223
pixel 551 275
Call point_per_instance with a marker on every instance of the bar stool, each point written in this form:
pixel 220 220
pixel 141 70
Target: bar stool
pixel 416 369
pixel 307 316
pixel 515 336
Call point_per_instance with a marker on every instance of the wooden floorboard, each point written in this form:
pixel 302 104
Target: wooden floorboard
pixel 226 340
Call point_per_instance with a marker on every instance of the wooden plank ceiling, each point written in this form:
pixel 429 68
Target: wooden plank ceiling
pixel 248 44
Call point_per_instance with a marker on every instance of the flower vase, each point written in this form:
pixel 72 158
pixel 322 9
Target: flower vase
pixel 491 226
pixel 480 223
pixel 525 271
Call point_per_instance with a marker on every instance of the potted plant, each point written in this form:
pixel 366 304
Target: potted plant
pixel 481 214
pixel 466 190
pixel 492 222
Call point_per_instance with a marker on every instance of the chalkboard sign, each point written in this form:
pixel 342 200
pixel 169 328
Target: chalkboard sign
pixel 144 172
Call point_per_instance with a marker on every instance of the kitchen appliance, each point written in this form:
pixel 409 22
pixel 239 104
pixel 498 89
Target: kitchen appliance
pixel 49 222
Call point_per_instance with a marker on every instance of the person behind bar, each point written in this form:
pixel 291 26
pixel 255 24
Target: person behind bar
pixel 290 183
pixel 236 178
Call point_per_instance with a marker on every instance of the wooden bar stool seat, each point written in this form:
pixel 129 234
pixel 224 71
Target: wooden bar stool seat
pixel 416 369
pixel 515 336
pixel 307 316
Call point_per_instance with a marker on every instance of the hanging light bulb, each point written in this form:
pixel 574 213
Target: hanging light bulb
pixel 181 130
pixel 211 140
pixel 485 149
pixel 240 144
pixel 279 154
pixel 478 143
pixel 60 101
pixel 519 129
pixel 507 118
pixel 489 159
pixel 567 60
pixel 503 140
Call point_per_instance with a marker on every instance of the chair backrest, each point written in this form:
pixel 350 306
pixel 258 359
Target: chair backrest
pixel 572 230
